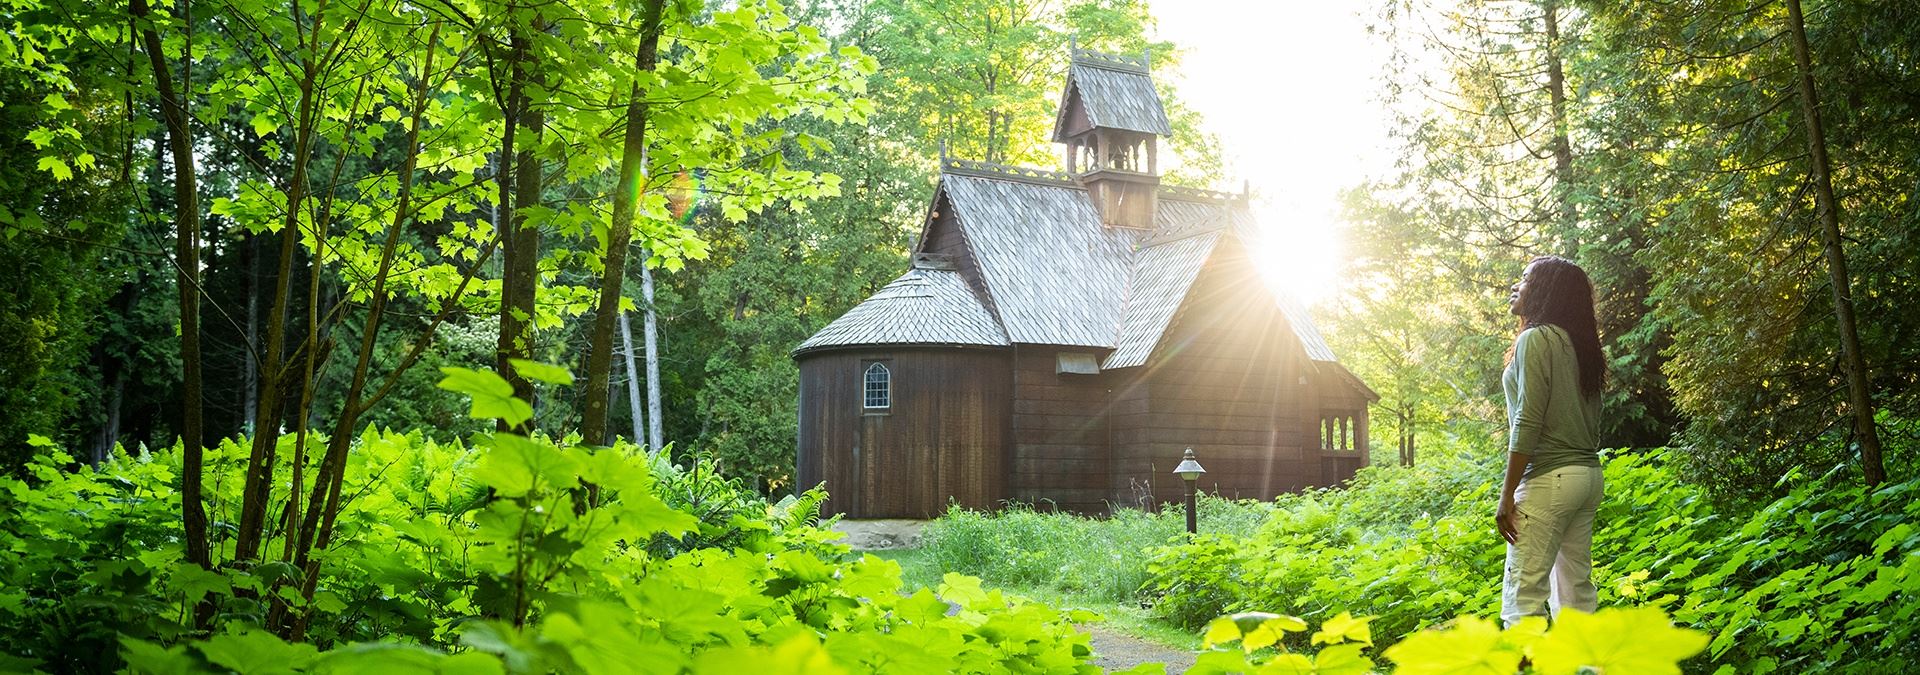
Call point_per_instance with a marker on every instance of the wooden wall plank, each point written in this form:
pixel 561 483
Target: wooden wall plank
pixel 943 438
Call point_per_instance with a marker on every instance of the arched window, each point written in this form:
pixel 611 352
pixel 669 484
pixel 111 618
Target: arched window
pixel 879 387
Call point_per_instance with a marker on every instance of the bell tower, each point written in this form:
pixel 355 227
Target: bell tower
pixel 1111 121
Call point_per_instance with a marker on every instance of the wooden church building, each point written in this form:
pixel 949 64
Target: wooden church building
pixel 1061 337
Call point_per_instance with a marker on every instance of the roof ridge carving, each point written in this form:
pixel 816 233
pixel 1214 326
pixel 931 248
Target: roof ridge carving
pixel 1121 62
pixel 1198 193
pixel 967 167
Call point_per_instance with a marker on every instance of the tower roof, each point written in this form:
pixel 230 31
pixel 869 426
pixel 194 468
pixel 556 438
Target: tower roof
pixel 1115 92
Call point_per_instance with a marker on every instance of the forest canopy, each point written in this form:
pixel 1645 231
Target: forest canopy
pixel 353 333
pixel 379 191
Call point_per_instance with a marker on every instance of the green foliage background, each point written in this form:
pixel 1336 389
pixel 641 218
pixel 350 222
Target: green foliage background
pixel 1686 194
pixel 1826 578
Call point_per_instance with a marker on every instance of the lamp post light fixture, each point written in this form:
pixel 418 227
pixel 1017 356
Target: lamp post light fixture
pixel 1189 471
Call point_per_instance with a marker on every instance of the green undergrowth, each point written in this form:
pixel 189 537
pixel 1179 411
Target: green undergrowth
pixel 1824 579
pixel 1097 558
pixel 504 554
pixel 529 554
pixel 1076 561
pixel 1015 548
pixel 918 570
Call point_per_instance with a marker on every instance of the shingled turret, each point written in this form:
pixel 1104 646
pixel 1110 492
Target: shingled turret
pixel 1111 120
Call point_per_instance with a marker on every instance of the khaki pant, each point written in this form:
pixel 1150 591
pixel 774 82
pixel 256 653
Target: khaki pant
pixel 1552 563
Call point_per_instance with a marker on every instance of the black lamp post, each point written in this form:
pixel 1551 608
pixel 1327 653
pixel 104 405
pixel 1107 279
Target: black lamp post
pixel 1189 471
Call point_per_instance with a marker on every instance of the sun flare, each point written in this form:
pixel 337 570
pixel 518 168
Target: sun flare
pixel 1292 93
pixel 1298 254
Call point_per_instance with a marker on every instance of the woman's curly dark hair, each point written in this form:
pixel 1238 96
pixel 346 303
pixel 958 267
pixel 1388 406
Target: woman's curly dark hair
pixel 1558 293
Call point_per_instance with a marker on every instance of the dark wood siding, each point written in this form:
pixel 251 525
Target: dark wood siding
pixel 1226 381
pixel 1135 469
pixel 1076 121
pixel 944 436
pixel 1060 449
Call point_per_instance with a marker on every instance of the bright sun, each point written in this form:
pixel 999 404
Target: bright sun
pixel 1291 89
pixel 1298 254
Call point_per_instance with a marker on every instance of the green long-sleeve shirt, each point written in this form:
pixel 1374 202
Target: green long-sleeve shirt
pixel 1548 418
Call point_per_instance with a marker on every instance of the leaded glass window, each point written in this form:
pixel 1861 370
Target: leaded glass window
pixel 879 386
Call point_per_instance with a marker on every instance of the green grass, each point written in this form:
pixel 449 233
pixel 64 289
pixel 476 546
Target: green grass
pixel 1067 561
pixel 920 570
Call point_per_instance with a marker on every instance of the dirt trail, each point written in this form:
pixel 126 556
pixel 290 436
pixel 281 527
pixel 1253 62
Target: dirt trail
pixel 880 535
pixel 1119 651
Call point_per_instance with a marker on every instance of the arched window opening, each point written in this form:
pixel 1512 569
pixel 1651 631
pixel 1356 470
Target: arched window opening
pixel 879 387
pixel 1338 432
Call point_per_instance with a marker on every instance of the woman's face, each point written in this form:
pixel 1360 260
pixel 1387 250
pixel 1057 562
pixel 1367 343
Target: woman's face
pixel 1515 300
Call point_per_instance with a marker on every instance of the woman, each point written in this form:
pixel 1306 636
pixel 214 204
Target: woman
pixel 1553 483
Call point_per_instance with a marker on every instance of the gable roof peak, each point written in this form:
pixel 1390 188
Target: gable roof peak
pixel 1109 91
pixel 1142 64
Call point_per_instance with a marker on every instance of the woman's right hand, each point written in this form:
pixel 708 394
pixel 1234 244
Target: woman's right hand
pixel 1503 518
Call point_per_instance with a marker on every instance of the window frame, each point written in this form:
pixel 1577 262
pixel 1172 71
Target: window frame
pixel 866 387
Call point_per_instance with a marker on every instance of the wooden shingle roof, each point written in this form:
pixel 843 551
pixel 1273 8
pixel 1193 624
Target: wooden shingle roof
pixel 923 307
pixel 1117 92
pixel 1161 276
pixel 1053 271
pixel 1053 274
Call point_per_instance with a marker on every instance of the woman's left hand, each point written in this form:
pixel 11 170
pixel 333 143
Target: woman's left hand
pixel 1504 519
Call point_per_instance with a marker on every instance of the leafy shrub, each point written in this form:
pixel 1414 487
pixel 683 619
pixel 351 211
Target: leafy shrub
pixel 1636 640
pixel 1381 547
pixel 509 554
pixel 732 514
pixel 1825 578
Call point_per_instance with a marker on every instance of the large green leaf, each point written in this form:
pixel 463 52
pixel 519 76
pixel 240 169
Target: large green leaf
pixel 492 395
pixel 257 651
pixel 1616 640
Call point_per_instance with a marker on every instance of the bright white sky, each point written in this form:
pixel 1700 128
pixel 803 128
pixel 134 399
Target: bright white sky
pixel 1292 88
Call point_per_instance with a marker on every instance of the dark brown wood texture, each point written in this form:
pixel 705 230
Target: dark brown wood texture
pixel 944 237
pixel 1226 381
pixel 944 436
pixel 1123 198
pixel 1059 433
pixel 1074 122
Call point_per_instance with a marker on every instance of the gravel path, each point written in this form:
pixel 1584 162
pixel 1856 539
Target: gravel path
pixel 1119 651
pixel 880 535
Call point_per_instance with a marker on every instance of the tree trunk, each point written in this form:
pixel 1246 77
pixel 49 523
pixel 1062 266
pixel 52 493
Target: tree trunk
pixel 266 433
pixel 249 389
pixel 186 251
pixel 520 273
pixel 633 175
pixel 1562 149
pixel 1859 394
pixel 323 504
pixel 633 382
pixel 656 435
pixel 116 395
